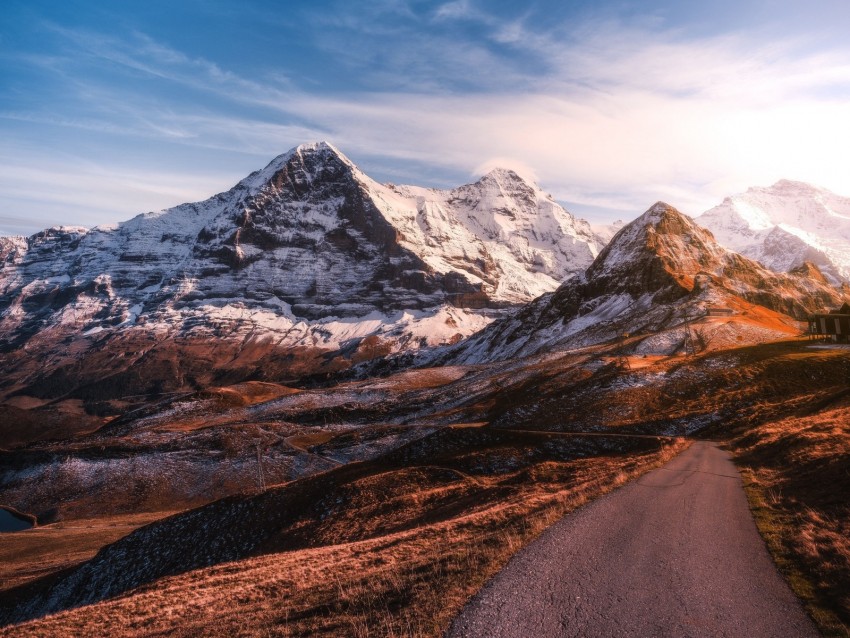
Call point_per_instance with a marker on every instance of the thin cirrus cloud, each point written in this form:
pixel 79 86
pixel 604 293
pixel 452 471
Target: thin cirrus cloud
pixel 608 117
pixel 634 120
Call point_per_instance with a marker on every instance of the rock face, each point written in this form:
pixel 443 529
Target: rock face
pixel 308 253
pixel 785 225
pixel 658 272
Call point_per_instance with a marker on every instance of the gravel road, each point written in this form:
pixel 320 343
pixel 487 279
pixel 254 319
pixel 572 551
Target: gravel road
pixel 675 553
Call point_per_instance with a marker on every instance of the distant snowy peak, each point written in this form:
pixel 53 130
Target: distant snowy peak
pixel 298 166
pixel 786 224
pixel 502 236
pixel 502 231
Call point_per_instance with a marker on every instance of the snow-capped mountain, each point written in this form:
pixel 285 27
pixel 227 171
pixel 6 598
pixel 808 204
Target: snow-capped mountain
pixel 307 253
pixel 658 273
pixel 785 225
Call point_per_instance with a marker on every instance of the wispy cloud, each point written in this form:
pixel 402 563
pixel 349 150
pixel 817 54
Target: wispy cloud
pixel 457 9
pixel 606 116
pixel 140 54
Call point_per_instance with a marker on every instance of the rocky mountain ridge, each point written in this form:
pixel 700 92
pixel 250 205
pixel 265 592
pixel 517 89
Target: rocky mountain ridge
pixel 309 237
pixel 307 255
pixel 657 276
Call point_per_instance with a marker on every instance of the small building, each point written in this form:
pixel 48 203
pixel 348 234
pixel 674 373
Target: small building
pixel 833 325
pixel 717 311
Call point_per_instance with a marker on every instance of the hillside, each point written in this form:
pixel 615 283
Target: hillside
pixel 654 283
pixel 423 525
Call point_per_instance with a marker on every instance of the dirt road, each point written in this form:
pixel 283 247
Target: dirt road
pixel 674 554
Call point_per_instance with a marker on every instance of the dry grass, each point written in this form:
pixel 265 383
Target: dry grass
pixel 400 559
pixel 797 473
pixel 37 552
pixel 417 379
pixel 304 442
pixel 223 405
pixel 62 419
pixel 411 542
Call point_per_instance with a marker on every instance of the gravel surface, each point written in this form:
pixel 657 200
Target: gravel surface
pixel 675 553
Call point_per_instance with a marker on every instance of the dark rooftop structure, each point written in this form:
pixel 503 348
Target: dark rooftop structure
pixel 834 325
pixel 718 311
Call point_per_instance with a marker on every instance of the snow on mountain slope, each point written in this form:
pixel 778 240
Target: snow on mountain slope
pixel 785 225
pixel 307 253
pixel 502 230
pixel 657 274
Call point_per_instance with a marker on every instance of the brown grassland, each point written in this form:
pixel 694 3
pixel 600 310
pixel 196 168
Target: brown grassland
pixel 52 548
pixel 395 546
pixel 400 559
pixel 797 472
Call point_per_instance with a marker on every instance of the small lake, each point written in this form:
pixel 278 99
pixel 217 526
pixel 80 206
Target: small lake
pixel 11 523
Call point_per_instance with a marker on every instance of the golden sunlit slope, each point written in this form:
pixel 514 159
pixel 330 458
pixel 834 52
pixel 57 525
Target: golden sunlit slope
pixel 393 545
pixel 798 470
pixel 416 520
pixel 658 274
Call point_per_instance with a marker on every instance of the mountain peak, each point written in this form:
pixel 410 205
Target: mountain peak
pixel 321 151
pixel 660 207
pixel 784 225
pixel 660 218
pixel 664 218
pixel 661 243
pixel 304 162
pixel 510 182
pixel 312 148
pixel 501 174
pixel 790 185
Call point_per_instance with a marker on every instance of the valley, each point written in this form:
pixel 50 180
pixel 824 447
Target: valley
pixel 418 501
pixel 319 405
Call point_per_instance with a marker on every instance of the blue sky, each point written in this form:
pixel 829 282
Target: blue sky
pixel 111 109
